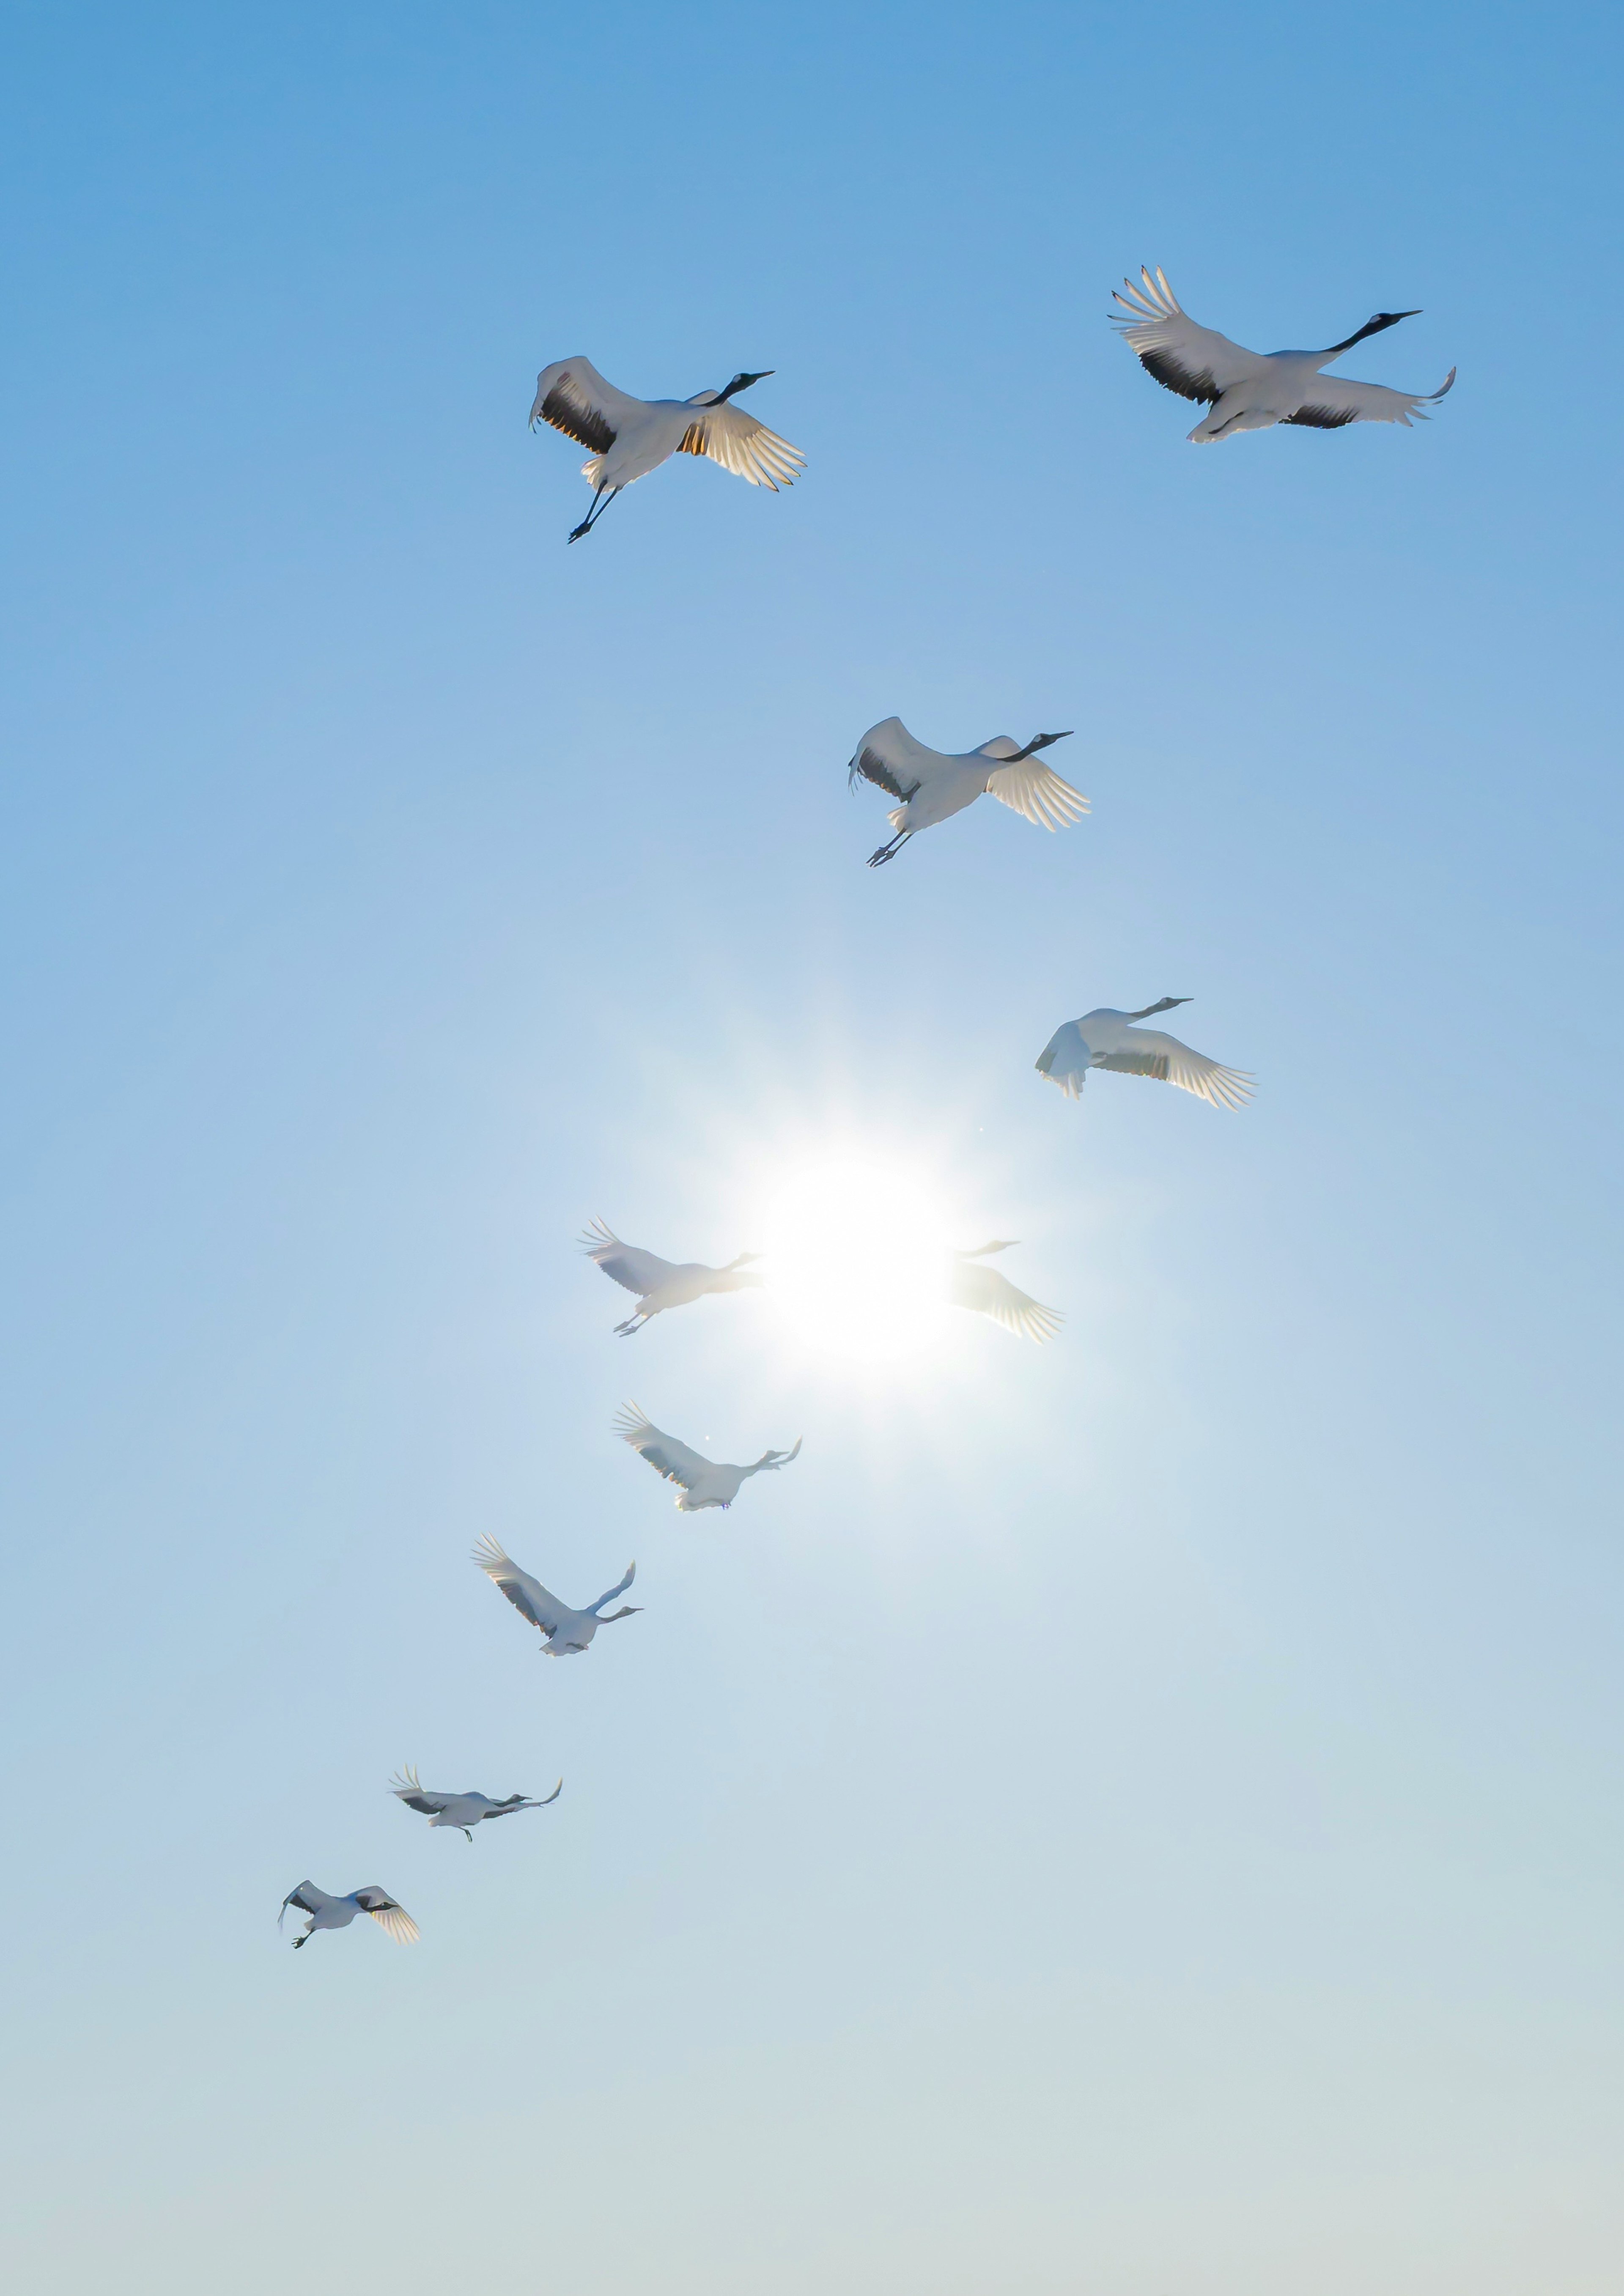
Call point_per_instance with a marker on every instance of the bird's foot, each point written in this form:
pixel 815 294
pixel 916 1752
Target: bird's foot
pixel 584 528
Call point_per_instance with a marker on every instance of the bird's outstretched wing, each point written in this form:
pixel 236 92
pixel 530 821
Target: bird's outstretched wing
pixel 619 1587
pixel 527 1596
pixel 1196 362
pixel 308 1897
pixel 889 756
pixel 667 1456
pixel 1031 789
pixel 637 1270
pixel 1157 1055
pixel 986 1293
pixel 407 1786
pixel 1065 1060
pixel 1337 402
pixel 387 1914
pixel 742 444
pixel 573 397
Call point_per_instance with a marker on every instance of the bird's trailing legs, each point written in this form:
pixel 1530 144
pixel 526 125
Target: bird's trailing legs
pixel 600 504
pixel 889 852
pixel 632 1323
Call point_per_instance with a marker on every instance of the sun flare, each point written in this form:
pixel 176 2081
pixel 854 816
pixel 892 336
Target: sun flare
pixel 858 1256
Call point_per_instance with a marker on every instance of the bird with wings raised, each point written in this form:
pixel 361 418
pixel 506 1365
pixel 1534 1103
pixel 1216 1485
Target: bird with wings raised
pixel 1106 1039
pixel 660 1283
pixel 932 786
pixel 631 437
pixel 564 1632
pixel 701 1482
pixel 1253 391
pixel 465 1810
pixel 986 1293
pixel 338 1913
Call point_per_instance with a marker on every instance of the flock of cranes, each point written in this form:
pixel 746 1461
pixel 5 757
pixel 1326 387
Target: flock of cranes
pixel 627 438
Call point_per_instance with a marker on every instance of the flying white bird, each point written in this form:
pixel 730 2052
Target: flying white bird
pixel 1253 390
pixel 338 1913
pixel 987 1294
pixel 660 1283
pixel 463 1809
pixel 631 437
pixel 933 787
pixel 703 1482
pixel 566 1631
pixel 1103 1040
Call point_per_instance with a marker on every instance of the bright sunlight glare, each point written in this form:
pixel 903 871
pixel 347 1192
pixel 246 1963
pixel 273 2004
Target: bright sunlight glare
pixel 858 1257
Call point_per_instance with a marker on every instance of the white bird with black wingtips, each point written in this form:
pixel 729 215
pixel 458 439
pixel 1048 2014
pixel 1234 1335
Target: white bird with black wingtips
pixel 1106 1038
pixel 1253 391
pixel 338 1913
pixel 660 1283
pixel 701 1482
pixel 987 1293
pixel 565 1632
pixel 631 437
pixel 933 785
pixel 465 1810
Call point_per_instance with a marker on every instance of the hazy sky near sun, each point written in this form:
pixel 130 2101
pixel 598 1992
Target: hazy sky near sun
pixel 1132 1817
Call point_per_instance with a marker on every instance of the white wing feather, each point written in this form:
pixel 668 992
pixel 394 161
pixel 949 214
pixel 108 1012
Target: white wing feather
pixel 1334 402
pixel 527 1596
pixel 668 1456
pixel 727 435
pixel 1196 362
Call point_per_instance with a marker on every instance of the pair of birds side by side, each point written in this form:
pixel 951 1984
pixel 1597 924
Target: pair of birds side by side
pixel 1246 390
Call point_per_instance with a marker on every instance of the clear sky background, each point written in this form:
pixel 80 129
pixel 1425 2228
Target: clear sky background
pixel 1135 1817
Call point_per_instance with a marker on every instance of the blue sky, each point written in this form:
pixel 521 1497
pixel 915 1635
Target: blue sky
pixel 1137 1817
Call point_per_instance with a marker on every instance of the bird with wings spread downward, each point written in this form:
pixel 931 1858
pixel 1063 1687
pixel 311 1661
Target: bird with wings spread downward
pixel 660 1283
pixel 986 1293
pixel 701 1482
pixel 338 1913
pixel 1105 1040
pixel 465 1810
pixel 564 1632
pixel 932 786
pixel 631 437
pixel 1253 391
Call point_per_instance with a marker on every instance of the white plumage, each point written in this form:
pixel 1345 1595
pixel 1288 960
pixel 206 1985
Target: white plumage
pixel 1253 391
pixel 338 1913
pixel 660 1283
pixel 986 1293
pixel 465 1810
pixel 631 437
pixel 564 1631
pixel 701 1482
pixel 933 785
pixel 1104 1039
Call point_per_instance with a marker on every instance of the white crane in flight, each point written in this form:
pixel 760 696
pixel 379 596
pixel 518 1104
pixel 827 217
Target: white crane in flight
pixel 932 786
pixel 564 1631
pixel 1253 390
pixel 701 1482
pixel 986 1293
pixel 338 1913
pixel 1105 1040
pixel 466 1810
pixel 660 1283
pixel 631 437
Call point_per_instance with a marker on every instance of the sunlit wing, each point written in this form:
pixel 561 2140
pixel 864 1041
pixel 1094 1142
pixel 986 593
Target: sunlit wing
pixel 1035 791
pixel 411 1791
pixel 308 1897
pixel 527 1596
pixel 1337 402
pixel 1017 1311
pixel 742 444
pixel 619 1587
pixel 573 397
pixel 1163 1057
pixel 667 1457
pixel 1196 362
pixel 387 1914
pixel 1065 1060
pixel 628 1264
pixel 889 756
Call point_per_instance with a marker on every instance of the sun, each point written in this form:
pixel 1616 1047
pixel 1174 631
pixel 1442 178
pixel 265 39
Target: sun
pixel 855 1257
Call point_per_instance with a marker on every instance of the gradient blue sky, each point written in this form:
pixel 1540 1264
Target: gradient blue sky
pixel 1138 1817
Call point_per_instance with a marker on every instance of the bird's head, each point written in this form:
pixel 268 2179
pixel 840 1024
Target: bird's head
pixel 982 1250
pixel 743 383
pixel 626 1610
pixel 744 1259
pixel 1162 1004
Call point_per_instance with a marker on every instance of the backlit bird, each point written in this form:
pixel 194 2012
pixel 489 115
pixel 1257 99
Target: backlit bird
pixel 933 786
pixel 986 1293
pixel 631 437
pixel 660 1283
pixel 1103 1040
pixel 338 1913
pixel 701 1482
pixel 464 1809
pixel 1253 390
pixel 565 1631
